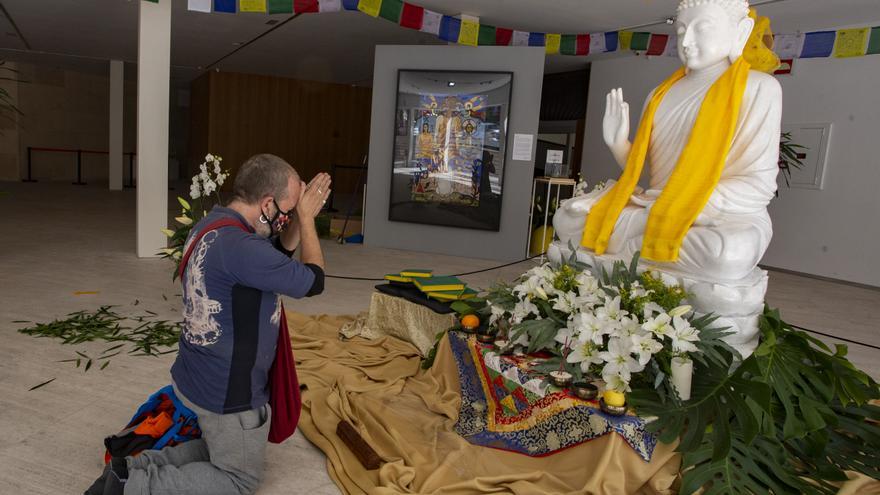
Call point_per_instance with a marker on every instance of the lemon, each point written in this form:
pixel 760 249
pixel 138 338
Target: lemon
pixel 614 398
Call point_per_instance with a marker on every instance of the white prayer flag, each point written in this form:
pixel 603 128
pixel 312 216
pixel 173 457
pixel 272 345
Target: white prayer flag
pixel 329 5
pixel 199 5
pixel 431 22
pixel 520 38
pixel 671 49
pixel 788 45
pixel 597 43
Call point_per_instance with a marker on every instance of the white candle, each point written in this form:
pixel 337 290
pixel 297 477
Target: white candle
pixel 682 374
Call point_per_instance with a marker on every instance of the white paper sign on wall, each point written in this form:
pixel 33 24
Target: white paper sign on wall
pixel 522 147
pixel 554 156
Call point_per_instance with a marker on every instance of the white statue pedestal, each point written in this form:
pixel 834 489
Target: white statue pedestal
pixel 737 304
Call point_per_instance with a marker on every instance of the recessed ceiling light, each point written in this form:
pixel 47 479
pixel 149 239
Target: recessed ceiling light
pixel 450 83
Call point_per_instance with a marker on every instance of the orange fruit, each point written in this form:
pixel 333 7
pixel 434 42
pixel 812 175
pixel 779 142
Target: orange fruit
pixel 470 321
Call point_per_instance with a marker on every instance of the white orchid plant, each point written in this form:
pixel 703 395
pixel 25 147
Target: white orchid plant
pixel 204 192
pixel 622 326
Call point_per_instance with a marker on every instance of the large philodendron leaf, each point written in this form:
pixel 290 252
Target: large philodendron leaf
pixel 718 399
pixel 759 467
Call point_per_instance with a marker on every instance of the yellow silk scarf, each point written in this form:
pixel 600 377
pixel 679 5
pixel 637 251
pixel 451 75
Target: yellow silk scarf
pixel 695 176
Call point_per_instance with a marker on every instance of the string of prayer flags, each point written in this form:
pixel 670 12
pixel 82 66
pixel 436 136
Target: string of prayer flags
pixel 552 43
pixel 818 44
pixel 851 42
pixel 431 22
pixel 469 33
pixel 874 42
pixel 227 6
pixel 520 38
pixel 468 30
pixel 536 39
pixel 411 16
pixel 449 29
pixel 199 5
pixel 370 7
pixel 288 7
pixel 503 36
pixel 252 6
pixel 487 35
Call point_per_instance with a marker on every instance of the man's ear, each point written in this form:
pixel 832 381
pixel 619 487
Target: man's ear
pixel 266 204
pixel 743 31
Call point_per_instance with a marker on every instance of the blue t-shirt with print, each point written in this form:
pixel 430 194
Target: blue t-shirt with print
pixel 231 314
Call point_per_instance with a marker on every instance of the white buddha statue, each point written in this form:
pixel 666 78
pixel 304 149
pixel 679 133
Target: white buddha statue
pixel 710 140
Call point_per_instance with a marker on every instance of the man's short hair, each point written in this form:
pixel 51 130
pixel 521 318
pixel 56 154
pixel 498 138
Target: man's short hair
pixel 262 175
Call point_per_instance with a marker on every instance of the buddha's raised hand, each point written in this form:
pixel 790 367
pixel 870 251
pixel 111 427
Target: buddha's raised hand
pixel 615 126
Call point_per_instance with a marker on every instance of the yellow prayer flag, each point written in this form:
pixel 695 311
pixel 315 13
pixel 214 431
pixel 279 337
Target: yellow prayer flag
pixel 625 38
pixel 851 42
pixel 370 7
pixel 252 6
pixel 469 32
pixel 552 42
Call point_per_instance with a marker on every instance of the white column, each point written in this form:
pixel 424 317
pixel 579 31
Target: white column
pixel 153 82
pixel 114 161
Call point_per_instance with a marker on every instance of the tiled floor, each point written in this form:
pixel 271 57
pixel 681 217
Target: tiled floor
pixel 59 239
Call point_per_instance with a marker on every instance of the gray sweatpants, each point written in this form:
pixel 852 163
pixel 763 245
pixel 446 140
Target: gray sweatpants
pixel 228 459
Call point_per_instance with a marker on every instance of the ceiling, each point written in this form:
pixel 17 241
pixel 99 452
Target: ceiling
pixel 339 47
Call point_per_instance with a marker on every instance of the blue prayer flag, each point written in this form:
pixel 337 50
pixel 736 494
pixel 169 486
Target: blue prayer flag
pixel 224 6
pixel 819 44
pixel 536 39
pixel 611 41
pixel 350 4
pixel 449 28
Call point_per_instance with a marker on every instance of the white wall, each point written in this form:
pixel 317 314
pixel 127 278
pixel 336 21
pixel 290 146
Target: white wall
pixel 834 232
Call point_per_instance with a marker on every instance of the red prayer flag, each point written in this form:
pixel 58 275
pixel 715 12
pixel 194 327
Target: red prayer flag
pixel 304 6
pixel 657 44
pixel 412 16
pixel 503 36
pixel 583 44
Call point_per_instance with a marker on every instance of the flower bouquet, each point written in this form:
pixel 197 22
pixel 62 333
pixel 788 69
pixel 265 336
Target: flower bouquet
pixel 205 192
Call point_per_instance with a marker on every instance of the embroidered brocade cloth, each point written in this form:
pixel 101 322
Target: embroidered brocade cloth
pixel 506 405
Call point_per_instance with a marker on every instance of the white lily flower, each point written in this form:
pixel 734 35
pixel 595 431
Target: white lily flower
pixel 651 308
pixel 586 353
pixel 566 336
pixel 683 336
pixel 617 382
pixel 168 232
pixel 659 325
pixel 680 310
pixel 497 313
pixel 629 326
pixel 522 310
pixel 591 328
pixel 184 220
pixel 645 346
pixel 611 309
pixel 619 359
pixel 565 302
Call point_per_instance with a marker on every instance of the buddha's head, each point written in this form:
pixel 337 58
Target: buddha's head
pixel 711 31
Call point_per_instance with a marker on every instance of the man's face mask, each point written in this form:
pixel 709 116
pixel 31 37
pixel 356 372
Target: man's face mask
pixel 279 220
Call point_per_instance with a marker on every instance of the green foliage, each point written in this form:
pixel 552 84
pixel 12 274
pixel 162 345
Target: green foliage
pixel 788 156
pixel 791 418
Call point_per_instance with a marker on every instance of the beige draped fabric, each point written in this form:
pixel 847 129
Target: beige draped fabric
pixel 407 415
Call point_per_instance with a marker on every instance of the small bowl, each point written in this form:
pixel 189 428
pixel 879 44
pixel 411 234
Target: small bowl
pixel 486 338
pixel 561 378
pixel 585 391
pixel 612 410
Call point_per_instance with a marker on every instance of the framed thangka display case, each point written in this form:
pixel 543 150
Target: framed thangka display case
pixel 449 145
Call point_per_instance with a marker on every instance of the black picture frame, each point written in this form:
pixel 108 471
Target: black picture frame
pixel 449 147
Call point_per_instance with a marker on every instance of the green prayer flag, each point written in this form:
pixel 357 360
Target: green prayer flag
pixel 280 6
pixel 874 43
pixel 640 41
pixel 391 10
pixel 568 46
pixel 487 35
